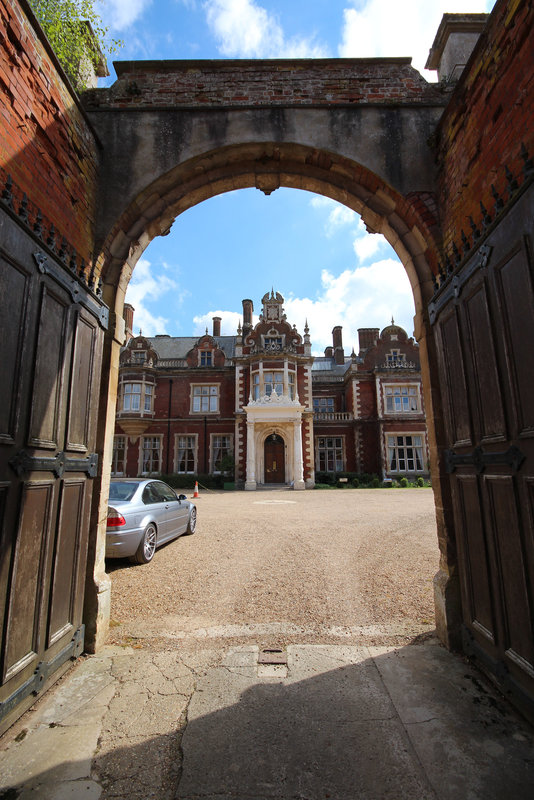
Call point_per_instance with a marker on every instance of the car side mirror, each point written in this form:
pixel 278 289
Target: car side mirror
pixel 182 497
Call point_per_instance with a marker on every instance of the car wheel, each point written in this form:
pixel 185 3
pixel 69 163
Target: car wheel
pixel 147 545
pixel 192 524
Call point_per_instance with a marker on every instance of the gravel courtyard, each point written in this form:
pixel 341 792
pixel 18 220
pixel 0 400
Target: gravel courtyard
pixel 280 567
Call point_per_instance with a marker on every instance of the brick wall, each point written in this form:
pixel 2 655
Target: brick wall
pixel 47 144
pixel 488 116
pixel 307 82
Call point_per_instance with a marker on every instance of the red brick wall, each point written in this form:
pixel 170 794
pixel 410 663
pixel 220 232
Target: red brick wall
pixel 254 83
pixel 47 144
pixel 489 115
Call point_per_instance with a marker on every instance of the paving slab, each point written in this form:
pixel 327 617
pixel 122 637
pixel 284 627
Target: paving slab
pixel 339 722
pixel 469 741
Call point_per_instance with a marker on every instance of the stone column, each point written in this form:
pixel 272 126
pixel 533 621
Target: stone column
pixel 298 470
pixel 286 377
pixel 250 483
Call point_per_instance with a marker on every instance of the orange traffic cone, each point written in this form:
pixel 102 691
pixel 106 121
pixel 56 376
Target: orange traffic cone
pixel 196 494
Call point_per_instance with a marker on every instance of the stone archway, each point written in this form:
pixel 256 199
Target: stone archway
pixel 267 166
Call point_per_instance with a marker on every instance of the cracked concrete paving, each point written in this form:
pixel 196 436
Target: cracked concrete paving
pixel 340 722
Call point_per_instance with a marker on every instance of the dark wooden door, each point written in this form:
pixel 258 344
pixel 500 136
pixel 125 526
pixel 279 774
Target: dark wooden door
pixel 52 330
pixel 484 327
pixel 275 471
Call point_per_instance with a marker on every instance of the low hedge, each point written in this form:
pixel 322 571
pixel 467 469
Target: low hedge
pixel 188 481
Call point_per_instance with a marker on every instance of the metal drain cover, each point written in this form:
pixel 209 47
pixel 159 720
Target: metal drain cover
pixel 272 656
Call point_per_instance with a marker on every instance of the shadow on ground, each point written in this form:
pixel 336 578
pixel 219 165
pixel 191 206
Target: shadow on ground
pixel 345 723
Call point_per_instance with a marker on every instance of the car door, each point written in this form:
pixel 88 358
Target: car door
pixel 177 512
pixel 156 506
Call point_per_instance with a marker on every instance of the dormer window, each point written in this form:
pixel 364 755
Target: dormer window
pixel 206 358
pixel 395 357
pixel 138 357
pixel 274 343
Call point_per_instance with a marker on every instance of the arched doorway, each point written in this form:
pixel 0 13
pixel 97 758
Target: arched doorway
pixel 405 223
pixel 274 459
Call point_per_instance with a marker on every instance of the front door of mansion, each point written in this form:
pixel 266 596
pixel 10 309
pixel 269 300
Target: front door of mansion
pixel 274 459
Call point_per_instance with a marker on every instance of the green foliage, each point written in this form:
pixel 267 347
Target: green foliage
pixel 64 22
pixel 355 482
pixel 375 483
pixel 227 465
pixel 404 482
pixel 420 481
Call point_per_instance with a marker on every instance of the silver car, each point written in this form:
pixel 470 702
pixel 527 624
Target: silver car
pixel 142 514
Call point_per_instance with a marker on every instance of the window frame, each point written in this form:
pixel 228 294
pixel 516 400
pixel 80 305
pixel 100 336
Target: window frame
pixel 409 385
pixel 156 438
pixel 338 465
pixel 194 438
pixel 396 447
pixel 327 409
pixel 229 450
pixel 147 390
pixel 205 356
pixel 215 394
pixel 115 459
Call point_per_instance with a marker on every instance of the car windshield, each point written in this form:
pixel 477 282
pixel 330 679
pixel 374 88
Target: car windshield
pixel 122 490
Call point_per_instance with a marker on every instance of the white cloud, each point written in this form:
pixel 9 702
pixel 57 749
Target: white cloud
pixel 366 245
pixel 245 29
pixel 120 14
pixel 391 28
pixel 229 322
pixel 367 297
pixel 144 288
pixel 340 218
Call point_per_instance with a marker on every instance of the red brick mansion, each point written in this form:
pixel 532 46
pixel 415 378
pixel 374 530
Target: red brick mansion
pixel 261 399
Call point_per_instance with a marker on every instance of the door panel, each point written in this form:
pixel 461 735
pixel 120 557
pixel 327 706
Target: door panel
pixel 458 412
pixel 502 505
pixel 515 294
pixel 52 332
pixel 274 460
pixel 487 400
pixel 28 569
pixel 14 299
pixel 49 367
pixel 483 318
pixel 86 339
pixel 69 534
pixel 474 557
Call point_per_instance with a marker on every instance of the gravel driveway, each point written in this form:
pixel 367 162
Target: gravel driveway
pixel 279 567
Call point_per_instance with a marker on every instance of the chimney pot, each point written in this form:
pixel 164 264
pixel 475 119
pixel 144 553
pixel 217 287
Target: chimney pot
pixel 367 337
pixel 216 326
pixel 337 339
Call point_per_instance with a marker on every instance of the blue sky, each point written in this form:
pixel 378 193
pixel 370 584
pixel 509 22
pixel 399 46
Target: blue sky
pixel 311 249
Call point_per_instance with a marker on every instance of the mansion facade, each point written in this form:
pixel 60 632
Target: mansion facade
pixel 262 401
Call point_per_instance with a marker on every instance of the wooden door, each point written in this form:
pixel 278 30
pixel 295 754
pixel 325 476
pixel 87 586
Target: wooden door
pixel 52 333
pixel 483 317
pixel 275 471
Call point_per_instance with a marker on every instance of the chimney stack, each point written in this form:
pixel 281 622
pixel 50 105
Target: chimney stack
pixel 328 352
pixel 367 337
pixel 128 314
pixel 339 354
pixel 248 308
pixel 216 326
